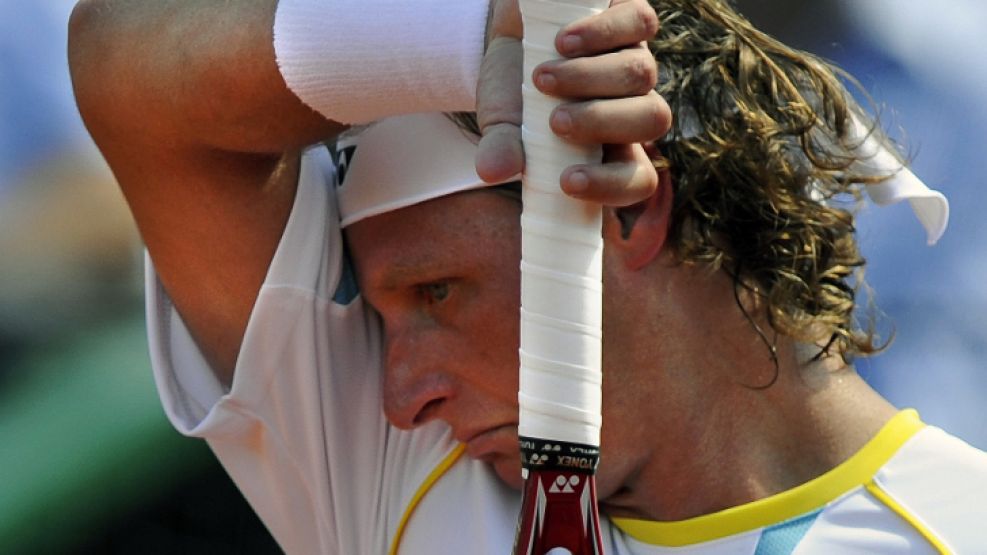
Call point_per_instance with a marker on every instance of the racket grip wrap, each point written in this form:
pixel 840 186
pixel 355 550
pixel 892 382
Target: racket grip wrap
pixel 561 252
pixel 561 316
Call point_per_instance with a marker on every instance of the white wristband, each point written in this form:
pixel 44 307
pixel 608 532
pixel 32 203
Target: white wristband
pixel 355 61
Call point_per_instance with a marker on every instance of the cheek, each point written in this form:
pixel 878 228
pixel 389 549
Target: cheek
pixel 493 328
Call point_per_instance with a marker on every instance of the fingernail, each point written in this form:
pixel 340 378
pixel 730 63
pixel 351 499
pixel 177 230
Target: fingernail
pixel 572 44
pixel 546 82
pixel 561 122
pixel 577 183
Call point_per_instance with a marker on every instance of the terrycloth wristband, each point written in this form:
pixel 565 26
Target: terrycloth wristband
pixel 355 61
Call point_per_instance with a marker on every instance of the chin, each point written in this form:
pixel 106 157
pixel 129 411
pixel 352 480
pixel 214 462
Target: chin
pixel 508 469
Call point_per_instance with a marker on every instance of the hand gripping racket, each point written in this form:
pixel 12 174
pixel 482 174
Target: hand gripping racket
pixel 561 317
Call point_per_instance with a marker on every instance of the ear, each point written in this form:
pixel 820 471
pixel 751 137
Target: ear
pixel 638 232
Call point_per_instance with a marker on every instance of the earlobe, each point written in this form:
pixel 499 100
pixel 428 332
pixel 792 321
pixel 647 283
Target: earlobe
pixel 639 232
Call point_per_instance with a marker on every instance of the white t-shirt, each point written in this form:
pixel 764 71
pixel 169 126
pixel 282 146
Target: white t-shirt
pixel 302 433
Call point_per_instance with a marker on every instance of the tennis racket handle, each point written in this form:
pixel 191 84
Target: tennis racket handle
pixel 558 510
pixel 561 320
pixel 561 252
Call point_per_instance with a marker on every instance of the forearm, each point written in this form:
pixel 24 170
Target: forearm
pixel 186 73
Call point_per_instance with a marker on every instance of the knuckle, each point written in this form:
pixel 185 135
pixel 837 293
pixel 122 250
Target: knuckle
pixel 647 20
pixel 608 33
pixel 642 72
pixel 574 73
pixel 589 115
pixel 495 114
pixel 622 178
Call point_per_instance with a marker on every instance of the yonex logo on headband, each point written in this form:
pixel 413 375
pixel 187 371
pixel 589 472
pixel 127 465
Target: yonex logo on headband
pixel 344 158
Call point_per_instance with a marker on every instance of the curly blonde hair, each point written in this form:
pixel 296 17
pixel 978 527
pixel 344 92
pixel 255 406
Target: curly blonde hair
pixel 764 161
pixel 763 154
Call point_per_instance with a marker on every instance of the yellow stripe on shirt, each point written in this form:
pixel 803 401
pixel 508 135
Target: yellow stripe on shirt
pixel 426 485
pixel 877 491
pixel 856 471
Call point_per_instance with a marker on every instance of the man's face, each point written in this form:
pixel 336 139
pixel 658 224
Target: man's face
pixel 444 277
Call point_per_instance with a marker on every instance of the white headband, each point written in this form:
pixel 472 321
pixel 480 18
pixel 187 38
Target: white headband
pixel 404 160
pixel 401 161
pixel 930 206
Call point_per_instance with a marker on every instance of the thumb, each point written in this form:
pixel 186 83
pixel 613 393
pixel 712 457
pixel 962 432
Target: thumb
pixel 504 20
pixel 498 111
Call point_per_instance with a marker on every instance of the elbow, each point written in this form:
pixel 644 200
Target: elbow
pixel 83 26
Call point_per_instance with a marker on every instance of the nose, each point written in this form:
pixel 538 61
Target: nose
pixel 416 387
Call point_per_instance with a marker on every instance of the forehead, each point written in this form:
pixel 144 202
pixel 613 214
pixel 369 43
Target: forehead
pixel 475 227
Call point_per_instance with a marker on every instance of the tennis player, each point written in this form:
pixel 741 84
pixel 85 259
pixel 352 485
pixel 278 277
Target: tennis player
pixel 343 330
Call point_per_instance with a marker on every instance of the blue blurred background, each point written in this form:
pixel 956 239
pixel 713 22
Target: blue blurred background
pixel 925 68
pixel 88 463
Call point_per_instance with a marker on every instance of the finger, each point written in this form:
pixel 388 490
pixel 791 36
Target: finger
pixel 498 92
pixel 498 111
pixel 504 20
pixel 500 156
pixel 636 119
pixel 629 72
pixel 628 176
pixel 625 23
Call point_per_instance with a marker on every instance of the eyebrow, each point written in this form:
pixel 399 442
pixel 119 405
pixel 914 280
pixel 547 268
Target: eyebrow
pixel 417 267
pixel 410 268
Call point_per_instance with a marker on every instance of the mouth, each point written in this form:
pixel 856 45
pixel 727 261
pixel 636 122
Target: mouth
pixel 489 443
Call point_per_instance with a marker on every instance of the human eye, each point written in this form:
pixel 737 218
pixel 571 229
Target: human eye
pixel 434 291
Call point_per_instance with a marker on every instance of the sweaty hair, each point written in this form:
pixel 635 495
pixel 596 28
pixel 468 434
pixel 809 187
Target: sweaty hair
pixel 762 155
pixel 763 159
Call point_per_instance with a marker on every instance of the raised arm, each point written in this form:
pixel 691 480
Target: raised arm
pixel 185 101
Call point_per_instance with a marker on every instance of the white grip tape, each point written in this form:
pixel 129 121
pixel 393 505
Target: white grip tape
pixel 561 257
